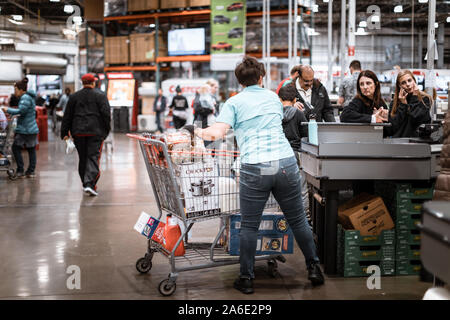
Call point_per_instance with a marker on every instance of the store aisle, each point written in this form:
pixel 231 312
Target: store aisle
pixel 48 225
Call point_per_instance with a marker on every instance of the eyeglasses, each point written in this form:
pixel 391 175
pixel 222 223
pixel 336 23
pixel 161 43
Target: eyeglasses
pixel 306 81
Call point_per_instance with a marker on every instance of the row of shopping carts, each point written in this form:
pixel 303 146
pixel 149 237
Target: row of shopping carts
pixel 194 190
pixel 6 142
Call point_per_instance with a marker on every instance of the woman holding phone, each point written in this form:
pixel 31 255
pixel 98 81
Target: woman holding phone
pixel 409 109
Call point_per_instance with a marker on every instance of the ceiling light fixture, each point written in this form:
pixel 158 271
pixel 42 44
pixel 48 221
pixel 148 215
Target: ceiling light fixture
pixel 326 1
pixel 16 22
pixel 403 19
pixel 398 9
pixel 423 1
pixel 54 0
pixel 436 25
pixel 448 20
pixel 17 17
pixel 360 32
pixel 363 24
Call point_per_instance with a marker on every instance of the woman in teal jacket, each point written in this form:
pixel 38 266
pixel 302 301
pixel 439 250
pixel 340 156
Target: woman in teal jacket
pixel 27 130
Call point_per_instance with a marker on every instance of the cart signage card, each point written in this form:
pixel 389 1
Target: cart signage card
pixel 150 227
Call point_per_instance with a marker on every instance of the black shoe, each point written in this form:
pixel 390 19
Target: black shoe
pixel 244 285
pixel 30 175
pixel 315 274
pixel 18 175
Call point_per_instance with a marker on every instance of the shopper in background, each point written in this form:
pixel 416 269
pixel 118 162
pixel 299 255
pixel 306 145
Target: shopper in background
pixel 294 132
pixel 312 97
pixel 159 107
pixel 63 100
pixel 26 130
pixel 13 100
pixel 295 71
pixel 40 100
pixel 347 89
pixel 368 106
pixel 214 86
pixel 409 109
pixel 179 105
pixel 268 165
pixel 53 102
pixel 88 121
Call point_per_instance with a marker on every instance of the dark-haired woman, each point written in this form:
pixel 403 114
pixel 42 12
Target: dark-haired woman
pixel 27 130
pixel 268 165
pixel 367 106
pixel 409 109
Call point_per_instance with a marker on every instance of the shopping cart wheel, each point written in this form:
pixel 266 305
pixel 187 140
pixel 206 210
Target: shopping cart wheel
pixel 272 268
pixel 143 265
pixel 10 173
pixel 166 288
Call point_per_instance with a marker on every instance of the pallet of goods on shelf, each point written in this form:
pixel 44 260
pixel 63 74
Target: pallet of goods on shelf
pixel 94 39
pixel 117 50
pixel 114 8
pixel 142 47
pixel 199 3
pixel 174 4
pixel 142 5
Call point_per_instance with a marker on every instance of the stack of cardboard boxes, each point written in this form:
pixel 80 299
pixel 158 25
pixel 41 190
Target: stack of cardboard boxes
pixel 365 237
pixel 405 200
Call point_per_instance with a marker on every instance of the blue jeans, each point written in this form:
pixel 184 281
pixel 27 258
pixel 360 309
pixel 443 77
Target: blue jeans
pixel 282 178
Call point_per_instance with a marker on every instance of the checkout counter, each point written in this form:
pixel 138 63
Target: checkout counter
pixel 347 153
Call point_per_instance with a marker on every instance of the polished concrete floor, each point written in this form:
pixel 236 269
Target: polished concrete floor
pixel 48 225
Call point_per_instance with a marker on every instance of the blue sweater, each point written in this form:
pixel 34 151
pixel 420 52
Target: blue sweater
pixel 26 124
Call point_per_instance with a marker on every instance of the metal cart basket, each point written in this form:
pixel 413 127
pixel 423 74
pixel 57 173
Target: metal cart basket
pixel 193 187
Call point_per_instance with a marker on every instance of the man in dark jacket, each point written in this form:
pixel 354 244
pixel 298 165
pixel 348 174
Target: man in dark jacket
pixel 159 106
pixel 88 120
pixel 313 96
pixel 294 132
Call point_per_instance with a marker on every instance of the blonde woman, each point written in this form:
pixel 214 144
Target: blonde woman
pixel 410 107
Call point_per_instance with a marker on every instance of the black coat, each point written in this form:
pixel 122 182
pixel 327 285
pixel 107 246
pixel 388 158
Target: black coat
pixel 163 104
pixel 293 130
pixel 321 103
pixel 87 113
pixel 409 117
pixel 179 102
pixel 358 112
pixel 200 113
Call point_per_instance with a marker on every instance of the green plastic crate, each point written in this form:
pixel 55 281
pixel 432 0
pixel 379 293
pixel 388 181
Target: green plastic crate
pixel 408 267
pixel 407 236
pixel 369 253
pixel 407 252
pixel 407 221
pixel 414 191
pixel 410 206
pixel 352 238
pixel 359 268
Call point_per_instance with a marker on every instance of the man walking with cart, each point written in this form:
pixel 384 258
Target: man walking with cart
pixel 87 119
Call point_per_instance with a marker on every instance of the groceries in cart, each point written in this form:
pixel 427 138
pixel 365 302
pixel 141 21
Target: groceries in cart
pixel 6 142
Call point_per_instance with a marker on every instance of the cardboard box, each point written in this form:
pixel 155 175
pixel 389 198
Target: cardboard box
pixel 142 47
pixel 199 3
pixel 199 184
pixel 147 105
pixel 94 39
pixel 150 227
pixel 142 5
pixel 171 4
pixel 117 50
pixel 93 10
pixel 365 213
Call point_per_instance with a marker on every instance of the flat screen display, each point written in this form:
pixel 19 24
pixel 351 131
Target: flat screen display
pixel 182 42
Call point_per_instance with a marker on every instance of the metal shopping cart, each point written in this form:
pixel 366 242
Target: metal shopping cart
pixel 191 186
pixel 6 142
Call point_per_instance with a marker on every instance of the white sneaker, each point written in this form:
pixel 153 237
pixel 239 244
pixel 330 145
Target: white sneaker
pixel 91 192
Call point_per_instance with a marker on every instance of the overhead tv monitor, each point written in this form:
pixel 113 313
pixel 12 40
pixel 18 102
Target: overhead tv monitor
pixel 182 42
pixel 121 92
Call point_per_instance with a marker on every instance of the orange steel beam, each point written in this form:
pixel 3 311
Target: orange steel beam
pixel 130 68
pixel 200 58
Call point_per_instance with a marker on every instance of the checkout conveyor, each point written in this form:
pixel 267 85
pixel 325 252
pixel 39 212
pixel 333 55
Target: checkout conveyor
pixel 346 153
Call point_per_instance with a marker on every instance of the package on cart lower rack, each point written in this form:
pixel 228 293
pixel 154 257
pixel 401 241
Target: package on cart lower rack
pixel 166 234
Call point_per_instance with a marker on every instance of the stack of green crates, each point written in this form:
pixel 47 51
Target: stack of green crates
pixel 405 204
pixel 357 252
